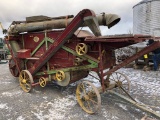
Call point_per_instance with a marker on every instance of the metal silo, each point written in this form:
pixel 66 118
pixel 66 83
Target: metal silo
pixel 146 18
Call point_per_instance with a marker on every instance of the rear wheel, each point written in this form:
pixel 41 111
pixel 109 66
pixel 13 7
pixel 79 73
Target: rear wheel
pixel 121 81
pixel 13 68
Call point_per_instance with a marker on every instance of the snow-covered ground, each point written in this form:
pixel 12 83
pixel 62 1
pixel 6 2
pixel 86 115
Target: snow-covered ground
pixel 59 103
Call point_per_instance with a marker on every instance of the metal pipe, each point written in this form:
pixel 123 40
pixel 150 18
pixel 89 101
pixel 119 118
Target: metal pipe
pixel 103 19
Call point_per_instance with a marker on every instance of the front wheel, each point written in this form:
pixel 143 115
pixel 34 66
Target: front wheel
pixel 25 80
pixel 88 97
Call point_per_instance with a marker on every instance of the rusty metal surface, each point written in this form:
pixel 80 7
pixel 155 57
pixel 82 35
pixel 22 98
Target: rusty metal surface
pixel 148 49
pixel 120 38
pixel 24 53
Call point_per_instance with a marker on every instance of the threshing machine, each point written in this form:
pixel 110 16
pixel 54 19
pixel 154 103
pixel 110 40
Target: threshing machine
pixel 54 50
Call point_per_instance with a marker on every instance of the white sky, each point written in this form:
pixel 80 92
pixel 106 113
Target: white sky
pixel 16 10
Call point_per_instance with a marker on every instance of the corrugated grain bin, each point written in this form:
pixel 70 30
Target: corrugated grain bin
pixel 146 18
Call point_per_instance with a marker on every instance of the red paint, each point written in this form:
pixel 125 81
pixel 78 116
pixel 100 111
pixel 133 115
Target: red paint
pixel 24 53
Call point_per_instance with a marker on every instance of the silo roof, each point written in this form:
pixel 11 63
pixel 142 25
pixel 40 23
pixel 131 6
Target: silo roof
pixel 144 1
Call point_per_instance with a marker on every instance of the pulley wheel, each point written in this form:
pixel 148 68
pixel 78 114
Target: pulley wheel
pixel 66 80
pixel 88 97
pixel 42 82
pixel 60 75
pixel 81 48
pixel 25 80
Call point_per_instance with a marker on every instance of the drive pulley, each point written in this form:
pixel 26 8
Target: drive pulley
pixel 42 82
pixel 60 75
pixel 81 48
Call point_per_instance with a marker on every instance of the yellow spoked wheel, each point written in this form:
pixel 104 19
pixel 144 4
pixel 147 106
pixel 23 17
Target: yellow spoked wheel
pixel 81 49
pixel 25 80
pixel 42 82
pixel 88 97
pixel 60 75
pixel 121 82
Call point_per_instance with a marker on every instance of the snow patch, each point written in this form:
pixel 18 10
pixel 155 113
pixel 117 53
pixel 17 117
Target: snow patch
pixel 56 109
pixel 3 106
pixel 20 118
pixel 10 94
pixel 5 82
pixel 148 82
pixel 104 113
pixel 115 118
pixel 122 106
pixel 45 97
pixel 144 84
pixel 93 78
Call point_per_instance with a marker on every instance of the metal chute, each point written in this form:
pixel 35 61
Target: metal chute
pixel 108 19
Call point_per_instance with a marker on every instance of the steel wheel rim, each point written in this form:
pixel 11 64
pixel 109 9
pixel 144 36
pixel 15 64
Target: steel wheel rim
pixel 89 99
pixel 121 80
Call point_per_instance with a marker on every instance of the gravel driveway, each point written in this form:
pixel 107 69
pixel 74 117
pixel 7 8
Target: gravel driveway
pixel 59 103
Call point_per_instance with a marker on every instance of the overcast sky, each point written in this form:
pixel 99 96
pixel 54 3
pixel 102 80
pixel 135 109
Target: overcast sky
pixel 16 10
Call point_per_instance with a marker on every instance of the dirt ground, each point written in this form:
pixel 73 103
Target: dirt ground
pixel 59 103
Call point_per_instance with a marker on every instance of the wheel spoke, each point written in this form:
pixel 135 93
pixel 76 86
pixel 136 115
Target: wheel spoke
pixel 83 51
pixel 112 79
pixel 79 47
pixel 20 76
pixel 117 76
pixel 93 101
pixel 24 75
pixel 28 85
pixel 120 77
pixel 12 66
pixel 88 104
pixel 123 80
pixel 83 89
pixel 27 78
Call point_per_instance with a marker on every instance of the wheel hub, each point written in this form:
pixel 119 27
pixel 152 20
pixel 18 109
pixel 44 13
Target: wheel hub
pixel 86 97
pixel 24 81
pixel 119 83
